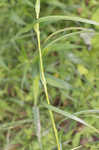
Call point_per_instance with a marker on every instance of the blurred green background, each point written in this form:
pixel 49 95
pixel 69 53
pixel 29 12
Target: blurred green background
pixel 72 72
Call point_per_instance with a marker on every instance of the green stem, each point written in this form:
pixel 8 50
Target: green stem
pixel 45 85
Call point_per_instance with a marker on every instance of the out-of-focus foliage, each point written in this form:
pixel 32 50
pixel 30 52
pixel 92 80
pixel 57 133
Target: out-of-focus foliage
pixel 71 68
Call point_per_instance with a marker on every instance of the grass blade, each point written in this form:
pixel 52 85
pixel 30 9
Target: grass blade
pixel 55 82
pixel 73 117
pixel 87 111
pixel 69 18
pixel 45 49
pixel 67 29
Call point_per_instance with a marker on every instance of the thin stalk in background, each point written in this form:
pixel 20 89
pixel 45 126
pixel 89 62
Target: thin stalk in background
pixel 37 9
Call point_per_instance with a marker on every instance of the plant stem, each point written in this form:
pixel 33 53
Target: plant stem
pixel 45 88
pixel 45 84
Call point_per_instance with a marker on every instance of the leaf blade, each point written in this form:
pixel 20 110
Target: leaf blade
pixel 56 82
pixel 71 116
pixel 69 18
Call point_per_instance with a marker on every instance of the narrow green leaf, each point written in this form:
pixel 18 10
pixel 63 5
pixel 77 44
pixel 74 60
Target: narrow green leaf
pixel 58 83
pixel 60 38
pixel 69 18
pixel 73 117
pixel 68 29
pixel 87 111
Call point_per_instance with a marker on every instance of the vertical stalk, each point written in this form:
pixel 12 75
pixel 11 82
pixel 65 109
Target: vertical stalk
pixel 37 9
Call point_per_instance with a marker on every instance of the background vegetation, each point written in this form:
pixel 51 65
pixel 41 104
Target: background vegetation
pixel 71 67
